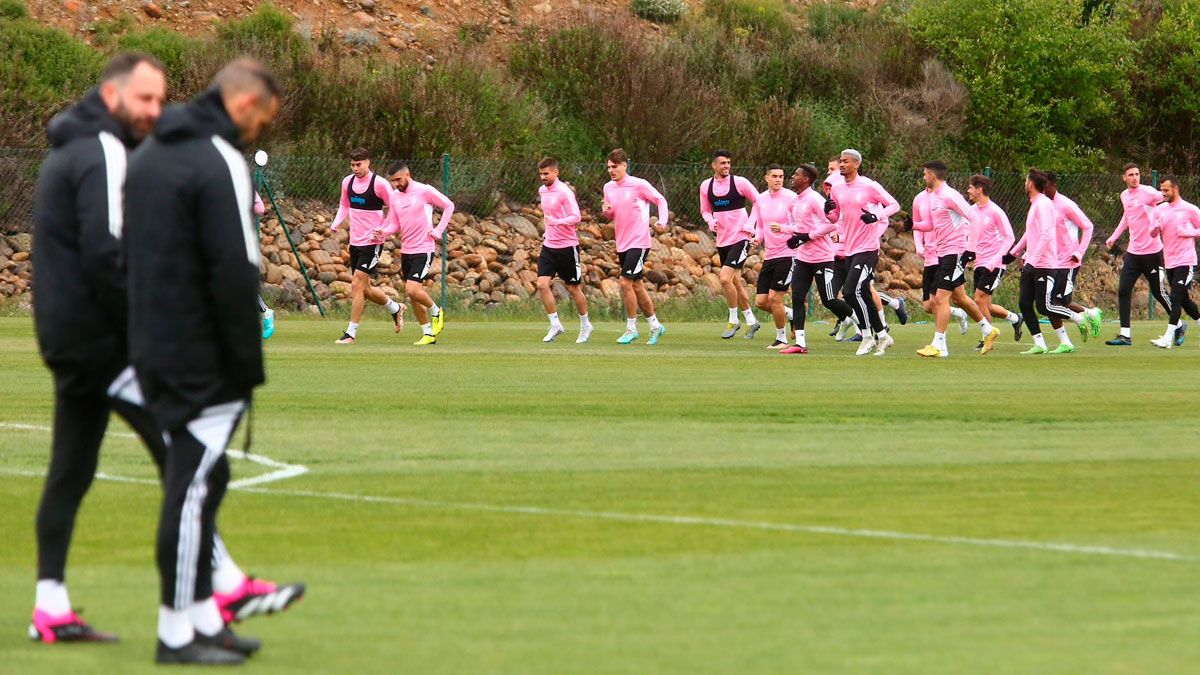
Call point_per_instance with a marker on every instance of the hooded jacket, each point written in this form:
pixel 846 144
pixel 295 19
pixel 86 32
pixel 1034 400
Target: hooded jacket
pixel 79 301
pixel 192 254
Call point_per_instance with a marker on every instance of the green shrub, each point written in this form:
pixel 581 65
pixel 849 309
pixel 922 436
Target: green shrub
pixel 662 11
pixel 13 9
pixel 765 20
pixel 268 33
pixel 43 71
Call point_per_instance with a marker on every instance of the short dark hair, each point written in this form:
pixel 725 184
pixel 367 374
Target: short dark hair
pixel 810 171
pixel 617 156
pixel 1039 180
pixel 1051 178
pixel 246 74
pixel 775 167
pixel 835 158
pixel 359 154
pixel 982 182
pixel 1125 169
pixel 1169 178
pixel 121 65
pixel 938 167
pixel 395 167
pixel 548 163
pixel 721 153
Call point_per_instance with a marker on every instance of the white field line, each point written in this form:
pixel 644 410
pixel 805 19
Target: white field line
pixel 282 471
pixel 700 521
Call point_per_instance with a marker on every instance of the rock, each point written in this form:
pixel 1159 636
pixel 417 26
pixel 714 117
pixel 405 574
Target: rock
pixel 320 257
pixel 20 256
pixel 364 19
pixel 367 5
pixel 696 252
pixel 21 242
pixel 610 288
pixel 520 224
pixel 912 261
pixel 543 9
pixel 331 247
pixel 396 43
pixel 152 10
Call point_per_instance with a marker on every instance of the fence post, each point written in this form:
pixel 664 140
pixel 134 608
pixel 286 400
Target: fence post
pixel 445 234
pixel 987 171
pixel 261 179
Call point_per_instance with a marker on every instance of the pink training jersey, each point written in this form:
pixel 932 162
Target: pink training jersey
pixel 807 214
pixel 364 206
pixel 773 207
pixel 1137 221
pixel 561 213
pixel 733 225
pixel 924 239
pixel 630 213
pixel 834 178
pixel 1039 242
pixel 852 199
pixel 259 207
pixel 994 236
pixel 1074 231
pixel 410 212
pixel 950 219
pixel 1178 223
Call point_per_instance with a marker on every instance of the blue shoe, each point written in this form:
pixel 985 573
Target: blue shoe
pixel 902 312
pixel 1120 341
pixel 268 324
pixel 656 333
pixel 630 336
pixel 857 338
pixel 1179 332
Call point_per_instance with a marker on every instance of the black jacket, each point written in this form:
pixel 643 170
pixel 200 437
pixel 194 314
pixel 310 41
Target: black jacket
pixel 79 299
pixel 191 249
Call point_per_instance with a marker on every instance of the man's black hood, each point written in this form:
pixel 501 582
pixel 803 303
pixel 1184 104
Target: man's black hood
pixel 202 117
pixel 87 118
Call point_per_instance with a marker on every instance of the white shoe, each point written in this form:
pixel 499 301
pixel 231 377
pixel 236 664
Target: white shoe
pixel 553 333
pixel 1163 341
pixel 963 327
pixel 585 332
pixel 843 329
pixel 867 345
pixel 882 344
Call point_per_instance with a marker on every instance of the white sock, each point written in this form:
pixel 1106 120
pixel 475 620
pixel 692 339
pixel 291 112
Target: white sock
pixel 800 339
pixel 427 329
pixel 1013 317
pixel 749 314
pixel 269 314
pixel 781 335
pixel 957 313
pixel 584 321
pixel 882 318
pixel 1125 332
pixel 392 306
pixel 894 303
pixel 653 319
pixel 1092 312
pixel 227 576
pixel 554 320
pixel 434 310
pixel 631 325
pixel 939 341
pixel 175 627
pixel 206 618
pixel 986 327
pixel 788 312
pixel 1039 341
pixel 1170 334
pixel 52 597
pixel 1077 318
pixel 352 329
pixel 733 317
pixel 1063 338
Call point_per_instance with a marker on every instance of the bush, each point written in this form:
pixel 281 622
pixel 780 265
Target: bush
pixel 1170 60
pixel 268 33
pixel 766 21
pixel 190 62
pixel 13 9
pixel 662 11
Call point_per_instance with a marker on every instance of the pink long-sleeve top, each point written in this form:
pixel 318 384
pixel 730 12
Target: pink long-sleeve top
pixel 731 226
pixel 1178 224
pixel 1039 243
pixel 410 212
pixel 950 219
pixel 630 200
pixel 355 202
pixel 852 198
pixel 994 236
pixel 1137 221
pixel 773 207
pixel 561 214
pixel 259 207
pixel 924 237
pixel 807 214
pixel 1074 231
pixel 833 179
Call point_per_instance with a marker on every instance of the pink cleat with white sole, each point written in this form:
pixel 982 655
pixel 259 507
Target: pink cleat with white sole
pixel 256 597
pixel 64 628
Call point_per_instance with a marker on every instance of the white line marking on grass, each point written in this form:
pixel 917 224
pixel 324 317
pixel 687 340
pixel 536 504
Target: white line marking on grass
pixel 282 470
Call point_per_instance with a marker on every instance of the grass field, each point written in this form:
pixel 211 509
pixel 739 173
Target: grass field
pixel 496 505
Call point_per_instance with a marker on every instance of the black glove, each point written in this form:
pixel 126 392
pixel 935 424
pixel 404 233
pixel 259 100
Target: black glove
pixel 830 204
pixel 868 217
pixel 1008 259
pixel 908 223
pixel 796 239
pixel 968 257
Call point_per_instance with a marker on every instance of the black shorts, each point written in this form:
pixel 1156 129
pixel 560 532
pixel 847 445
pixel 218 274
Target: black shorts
pixel 1181 277
pixel 928 282
pixel 734 255
pixel 950 274
pixel 775 275
pixel 364 258
pixel 561 261
pixel 633 263
pixel 1060 286
pixel 1068 295
pixel 987 280
pixel 841 270
pixel 415 266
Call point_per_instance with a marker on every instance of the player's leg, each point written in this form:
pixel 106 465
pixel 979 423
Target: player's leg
pixel 571 272
pixel 803 275
pixel 1027 303
pixel 858 291
pixel 1130 271
pixel 1160 287
pixel 729 285
pixel 551 306
pixel 1179 279
pixel 646 304
pixel 896 302
pixel 877 302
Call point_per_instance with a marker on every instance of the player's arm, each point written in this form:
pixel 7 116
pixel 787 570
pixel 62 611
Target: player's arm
pixel 1086 229
pixel 1191 227
pixel 391 223
pixel 706 211
pixel 606 207
pixel 383 190
pixel 439 201
pixel 99 212
pixel 259 207
pixel 1112 239
pixel 573 217
pixel 1006 231
pixel 343 211
pixel 652 195
pixel 890 205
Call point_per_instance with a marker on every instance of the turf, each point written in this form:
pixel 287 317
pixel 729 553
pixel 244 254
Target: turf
pixel 496 505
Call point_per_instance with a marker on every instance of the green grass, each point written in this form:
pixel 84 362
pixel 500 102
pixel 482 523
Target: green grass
pixel 451 572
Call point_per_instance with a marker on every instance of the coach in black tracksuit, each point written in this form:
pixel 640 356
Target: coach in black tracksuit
pixel 192 254
pixel 80 313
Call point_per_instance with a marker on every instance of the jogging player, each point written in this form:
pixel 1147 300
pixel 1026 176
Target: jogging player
pixel 364 202
pixel 560 250
pixel 723 200
pixel 1144 256
pixel 627 202
pixel 410 213
pixel 1042 280
pixel 992 237
pixel 770 219
pixel 1178 223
